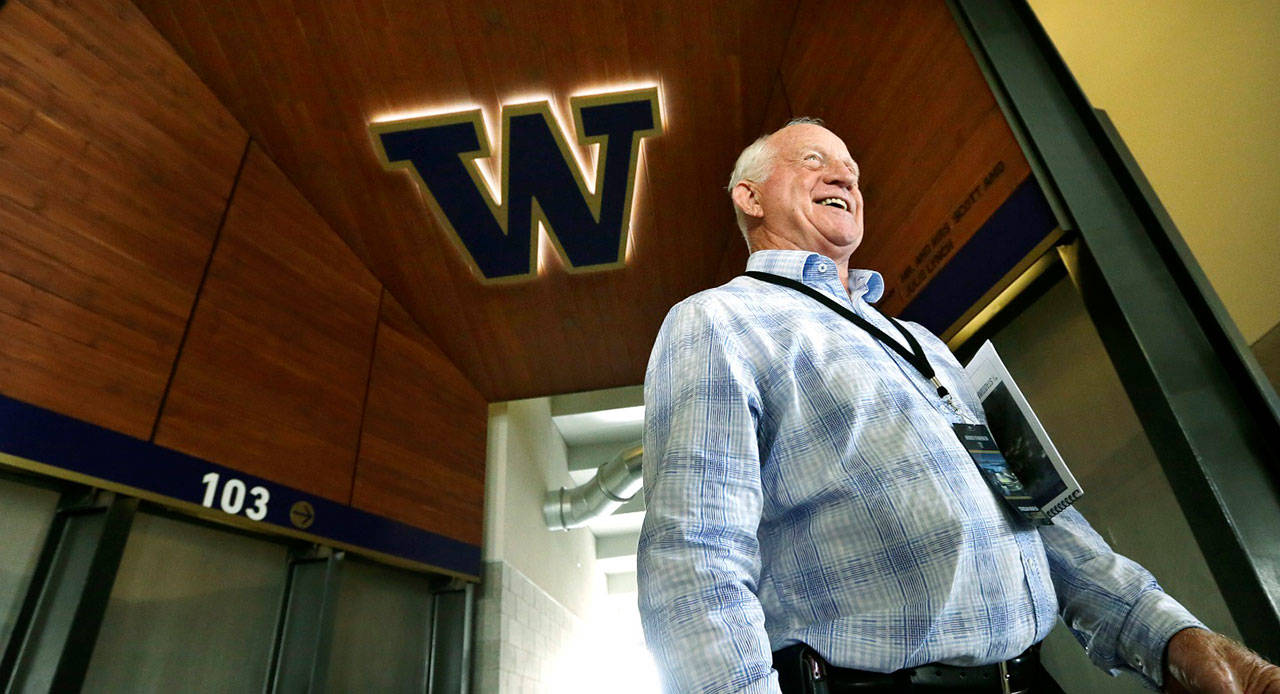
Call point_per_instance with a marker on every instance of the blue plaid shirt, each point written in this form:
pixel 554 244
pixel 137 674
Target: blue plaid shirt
pixel 803 483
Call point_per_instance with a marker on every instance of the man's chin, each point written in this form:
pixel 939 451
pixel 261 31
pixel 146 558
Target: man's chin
pixel 844 240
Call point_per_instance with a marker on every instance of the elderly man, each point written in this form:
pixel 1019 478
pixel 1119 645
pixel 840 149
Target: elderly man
pixel 812 517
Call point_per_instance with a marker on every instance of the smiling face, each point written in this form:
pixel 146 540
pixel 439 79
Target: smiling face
pixel 810 200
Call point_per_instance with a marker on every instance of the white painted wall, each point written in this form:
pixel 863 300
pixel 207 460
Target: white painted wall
pixel 526 458
pixel 1191 87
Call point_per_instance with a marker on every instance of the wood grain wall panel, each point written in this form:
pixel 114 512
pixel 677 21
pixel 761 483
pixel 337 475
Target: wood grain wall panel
pixel 422 447
pixel 271 379
pixel 899 84
pixel 115 167
pixel 308 83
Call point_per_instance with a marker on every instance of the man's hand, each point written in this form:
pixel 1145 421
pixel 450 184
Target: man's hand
pixel 1198 660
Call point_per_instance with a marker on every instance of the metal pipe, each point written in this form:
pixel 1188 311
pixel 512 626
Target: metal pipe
pixel 614 484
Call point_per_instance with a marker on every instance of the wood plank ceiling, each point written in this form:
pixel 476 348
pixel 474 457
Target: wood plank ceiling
pixel 306 79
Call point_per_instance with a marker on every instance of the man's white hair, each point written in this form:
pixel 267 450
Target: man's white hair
pixel 756 163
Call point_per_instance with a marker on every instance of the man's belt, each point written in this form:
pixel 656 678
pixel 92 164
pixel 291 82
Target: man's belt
pixel 802 671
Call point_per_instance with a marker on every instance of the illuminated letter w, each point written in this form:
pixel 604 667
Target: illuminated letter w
pixel 540 181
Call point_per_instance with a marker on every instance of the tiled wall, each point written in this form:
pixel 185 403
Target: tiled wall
pixel 524 638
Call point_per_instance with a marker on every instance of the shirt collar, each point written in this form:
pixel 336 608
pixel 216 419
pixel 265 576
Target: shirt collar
pixel 818 271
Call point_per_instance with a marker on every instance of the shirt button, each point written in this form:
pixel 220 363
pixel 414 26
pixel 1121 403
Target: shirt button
pixel 822 267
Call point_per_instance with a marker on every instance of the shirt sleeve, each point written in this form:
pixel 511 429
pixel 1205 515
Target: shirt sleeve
pixel 698 561
pixel 1114 607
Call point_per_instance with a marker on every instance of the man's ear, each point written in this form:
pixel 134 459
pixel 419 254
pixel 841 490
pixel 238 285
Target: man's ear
pixel 746 198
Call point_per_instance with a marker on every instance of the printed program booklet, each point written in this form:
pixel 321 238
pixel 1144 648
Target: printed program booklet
pixel 1025 444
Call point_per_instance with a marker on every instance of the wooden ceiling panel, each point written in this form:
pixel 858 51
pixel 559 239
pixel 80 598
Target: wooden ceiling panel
pixel 895 79
pixel 307 79
pixel 899 84
pixel 777 110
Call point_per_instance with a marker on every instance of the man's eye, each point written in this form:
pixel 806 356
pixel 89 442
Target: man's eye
pixel 812 158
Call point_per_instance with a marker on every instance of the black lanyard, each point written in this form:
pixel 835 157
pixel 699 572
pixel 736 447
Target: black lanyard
pixel 916 357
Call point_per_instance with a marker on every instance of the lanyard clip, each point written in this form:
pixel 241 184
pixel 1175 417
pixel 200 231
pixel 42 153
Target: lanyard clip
pixel 948 399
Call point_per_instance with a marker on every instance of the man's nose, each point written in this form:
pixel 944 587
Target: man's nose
pixel 842 175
